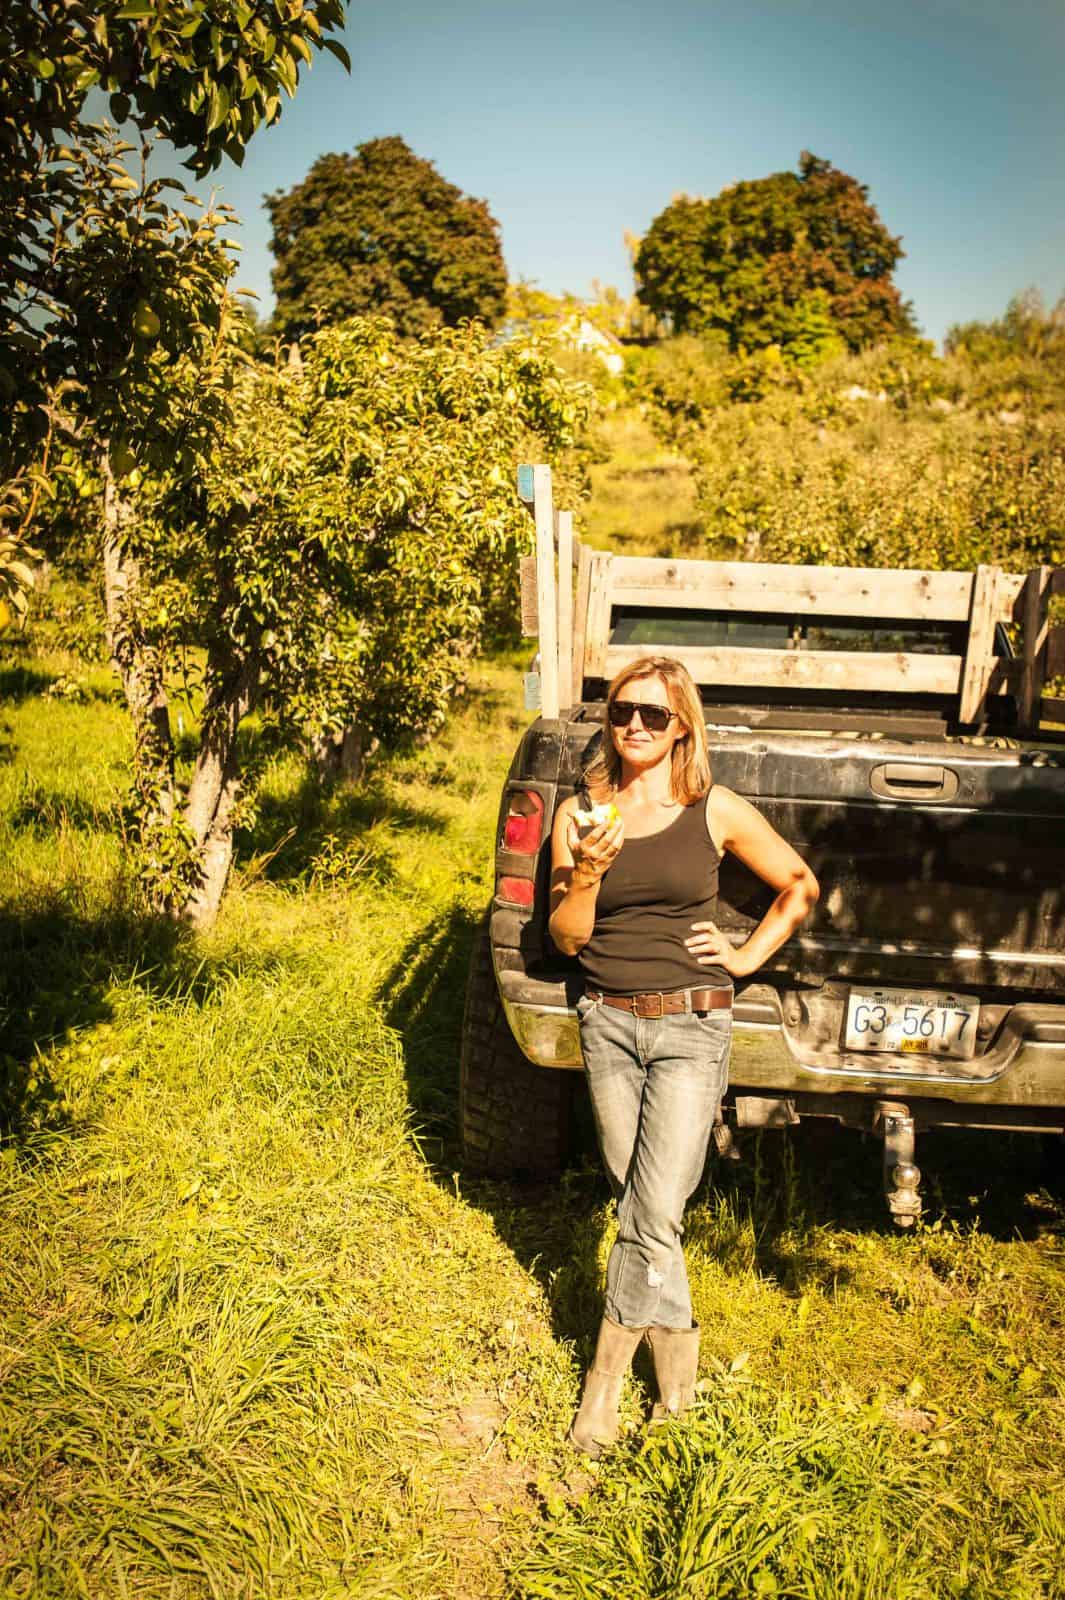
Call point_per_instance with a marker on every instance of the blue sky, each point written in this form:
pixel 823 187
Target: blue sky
pixel 579 122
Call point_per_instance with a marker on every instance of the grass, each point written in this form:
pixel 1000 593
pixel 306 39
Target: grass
pixel 642 500
pixel 262 1335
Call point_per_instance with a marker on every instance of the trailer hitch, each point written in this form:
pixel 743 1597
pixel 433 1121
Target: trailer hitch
pixel 892 1120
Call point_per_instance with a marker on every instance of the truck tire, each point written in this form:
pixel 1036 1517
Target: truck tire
pixel 515 1117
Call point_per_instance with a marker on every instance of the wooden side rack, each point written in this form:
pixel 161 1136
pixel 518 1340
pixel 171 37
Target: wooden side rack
pixel 576 644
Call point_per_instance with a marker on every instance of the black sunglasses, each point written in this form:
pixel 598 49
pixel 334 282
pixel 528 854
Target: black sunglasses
pixel 656 719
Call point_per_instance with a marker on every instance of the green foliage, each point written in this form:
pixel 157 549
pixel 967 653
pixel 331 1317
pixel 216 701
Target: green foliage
pixel 362 517
pixel 755 1496
pixel 203 74
pixel 531 310
pixel 894 457
pixel 356 527
pixel 1027 331
pixel 798 261
pixel 866 481
pixel 104 282
pixel 16 579
pixel 380 231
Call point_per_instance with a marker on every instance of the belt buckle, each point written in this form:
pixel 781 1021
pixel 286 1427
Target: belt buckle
pixel 654 1015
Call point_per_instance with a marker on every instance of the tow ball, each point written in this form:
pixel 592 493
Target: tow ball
pixel 902 1178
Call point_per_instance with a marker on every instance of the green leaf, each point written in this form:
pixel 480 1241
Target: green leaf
pixel 218 102
pixel 45 68
pixel 135 9
pixel 335 48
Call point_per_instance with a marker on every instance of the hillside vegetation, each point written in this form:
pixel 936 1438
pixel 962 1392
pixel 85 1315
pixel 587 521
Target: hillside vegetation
pixel 890 457
pixel 263 1335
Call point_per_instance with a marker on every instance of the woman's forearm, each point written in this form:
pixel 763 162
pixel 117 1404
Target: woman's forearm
pixel 573 919
pixel 789 910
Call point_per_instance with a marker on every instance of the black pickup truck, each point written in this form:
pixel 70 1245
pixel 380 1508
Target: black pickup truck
pixel 928 989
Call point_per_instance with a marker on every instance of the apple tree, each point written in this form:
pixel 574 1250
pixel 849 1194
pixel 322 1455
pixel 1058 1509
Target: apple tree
pixel 351 531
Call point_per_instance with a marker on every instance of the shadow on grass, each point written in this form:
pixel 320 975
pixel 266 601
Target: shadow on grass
pixel 554 1228
pixel 19 683
pixel 44 811
pixel 22 683
pixel 796 1185
pixel 58 966
pixel 296 823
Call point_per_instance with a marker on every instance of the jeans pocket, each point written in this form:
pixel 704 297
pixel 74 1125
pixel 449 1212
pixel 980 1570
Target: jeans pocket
pixel 586 1006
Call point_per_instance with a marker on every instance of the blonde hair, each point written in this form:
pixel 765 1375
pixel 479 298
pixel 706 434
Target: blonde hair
pixel 690 777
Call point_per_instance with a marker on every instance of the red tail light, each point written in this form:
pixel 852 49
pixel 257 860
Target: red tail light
pixel 524 826
pixel 519 891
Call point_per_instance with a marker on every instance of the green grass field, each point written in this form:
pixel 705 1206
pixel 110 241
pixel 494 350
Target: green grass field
pixel 262 1335
pixel 642 499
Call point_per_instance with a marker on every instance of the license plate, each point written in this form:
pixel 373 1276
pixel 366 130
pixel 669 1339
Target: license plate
pixel 912 1024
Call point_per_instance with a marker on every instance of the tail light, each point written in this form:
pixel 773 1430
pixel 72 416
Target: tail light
pixel 519 891
pixel 524 825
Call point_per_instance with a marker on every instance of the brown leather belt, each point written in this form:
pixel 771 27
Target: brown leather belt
pixel 666 1005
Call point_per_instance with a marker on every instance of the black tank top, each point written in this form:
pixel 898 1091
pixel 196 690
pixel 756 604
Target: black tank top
pixel 648 899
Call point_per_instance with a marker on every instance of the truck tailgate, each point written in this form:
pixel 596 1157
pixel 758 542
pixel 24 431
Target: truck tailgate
pixel 939 864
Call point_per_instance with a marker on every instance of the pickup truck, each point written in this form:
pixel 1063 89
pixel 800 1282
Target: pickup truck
pixel 893 726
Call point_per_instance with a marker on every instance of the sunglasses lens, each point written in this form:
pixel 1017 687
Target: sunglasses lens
pixel 654 718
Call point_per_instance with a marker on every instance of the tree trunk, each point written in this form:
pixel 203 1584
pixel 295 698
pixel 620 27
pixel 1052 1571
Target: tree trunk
pixel 343 759
pixel 139 664
pixel 215 790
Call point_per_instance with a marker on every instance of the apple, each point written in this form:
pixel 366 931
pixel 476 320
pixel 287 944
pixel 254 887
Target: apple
pixel 145 321
pixel 597 815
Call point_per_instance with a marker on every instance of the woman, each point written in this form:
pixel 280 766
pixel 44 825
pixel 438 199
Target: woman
pixel 634 899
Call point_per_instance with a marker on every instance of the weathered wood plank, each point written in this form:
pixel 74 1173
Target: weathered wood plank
pixel 1055 652
pixel 564 539
pixel 530 611
pixel 1057 582
pixel 597 627
pixel 1034 621
pixel 580 622
pixel 828 591
pixel 979 652
pixel 1052 710
pixel 1011 587
pixel 545 590
pixel 814 669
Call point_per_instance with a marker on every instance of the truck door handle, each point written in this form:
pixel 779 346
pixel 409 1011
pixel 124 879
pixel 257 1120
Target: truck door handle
pixel 912 780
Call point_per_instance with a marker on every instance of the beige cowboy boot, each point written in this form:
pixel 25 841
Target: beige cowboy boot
pixel 595 1427
pixel 675 1352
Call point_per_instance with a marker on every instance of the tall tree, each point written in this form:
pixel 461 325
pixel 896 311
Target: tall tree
pixel 353 527
pixel 116 325
pixel 783 260
pixel 381 231
pixel 102 281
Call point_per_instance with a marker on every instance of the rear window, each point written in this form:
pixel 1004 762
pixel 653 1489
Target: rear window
pixel 658 628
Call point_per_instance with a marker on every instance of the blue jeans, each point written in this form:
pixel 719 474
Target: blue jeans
pixel 656 1085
